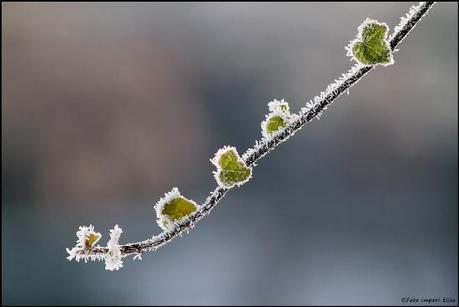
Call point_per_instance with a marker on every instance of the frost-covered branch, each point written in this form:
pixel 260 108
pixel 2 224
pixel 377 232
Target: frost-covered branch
pixel 177 214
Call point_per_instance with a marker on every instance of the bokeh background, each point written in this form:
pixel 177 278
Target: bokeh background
pixel 107 106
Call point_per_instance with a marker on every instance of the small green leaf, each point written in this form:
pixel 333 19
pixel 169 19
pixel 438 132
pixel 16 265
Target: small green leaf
pixel 274 123
pixel 371 46
pixel 231 169
pixel 277 119
pixel 178 208
pixel 173 208
pixel 91 239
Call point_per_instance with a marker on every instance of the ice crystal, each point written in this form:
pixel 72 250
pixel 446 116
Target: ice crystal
pixel 113 259
pixel 371 46
pixel 279 106
pixel 137 257
pixel 173 209
pixel 231 169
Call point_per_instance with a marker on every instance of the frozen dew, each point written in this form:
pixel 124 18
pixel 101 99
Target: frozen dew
pixel 113 259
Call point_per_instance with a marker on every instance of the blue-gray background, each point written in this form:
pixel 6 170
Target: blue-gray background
pixel 108 106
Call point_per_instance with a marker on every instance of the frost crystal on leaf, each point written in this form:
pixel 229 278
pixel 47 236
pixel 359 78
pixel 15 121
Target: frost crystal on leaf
pixel 278 119
pixel 113 258
pixel 86 239
pixel 231 169
pixel 174 209
pixel 371 46
pixel 279 106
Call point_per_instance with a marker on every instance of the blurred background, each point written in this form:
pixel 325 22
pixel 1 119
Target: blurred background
pixel 107 106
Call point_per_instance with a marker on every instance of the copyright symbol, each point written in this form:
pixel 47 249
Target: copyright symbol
pixel 404 299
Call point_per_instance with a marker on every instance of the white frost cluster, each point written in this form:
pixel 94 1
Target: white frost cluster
pixel 359 38
pixel 113 259
pixel 82 234
pixel 164 221
pixel 81 251
pixel 279 107
pixel 137 257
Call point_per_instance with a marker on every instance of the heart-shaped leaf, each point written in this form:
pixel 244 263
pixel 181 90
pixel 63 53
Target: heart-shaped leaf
pixel 173 208
pixel 371 46
pixel 231 169
pixel 178 208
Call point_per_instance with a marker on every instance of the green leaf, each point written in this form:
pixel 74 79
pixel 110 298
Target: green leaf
pixel 371 47
pixel 173 208
pixel 91 239
pixel 178 208
pixel 277 119
pixel 274 123
pixel 231 169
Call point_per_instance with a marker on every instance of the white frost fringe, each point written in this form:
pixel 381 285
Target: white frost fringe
pixel 82 234
pixel 164 221
pixel 113 258
pixel 217 157
pixel 414 9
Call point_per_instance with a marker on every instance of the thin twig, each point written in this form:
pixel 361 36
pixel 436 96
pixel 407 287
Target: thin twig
pixel 264 146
